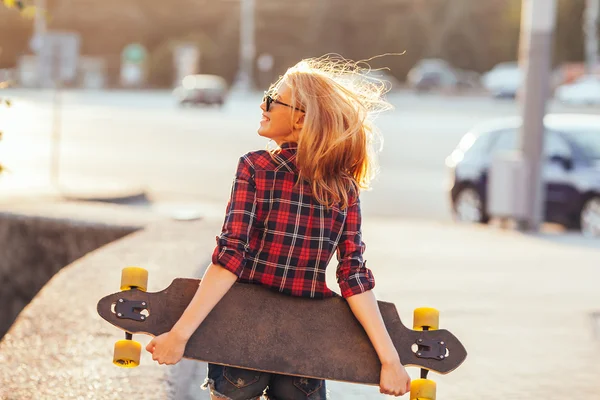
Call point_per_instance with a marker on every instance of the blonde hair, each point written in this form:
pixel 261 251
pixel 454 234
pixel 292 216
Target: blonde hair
pixel 336 145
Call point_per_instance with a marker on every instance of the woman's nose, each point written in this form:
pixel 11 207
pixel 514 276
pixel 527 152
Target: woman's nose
pixel 263 106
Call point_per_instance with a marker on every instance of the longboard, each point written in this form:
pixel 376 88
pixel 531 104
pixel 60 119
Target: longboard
pixel 256 328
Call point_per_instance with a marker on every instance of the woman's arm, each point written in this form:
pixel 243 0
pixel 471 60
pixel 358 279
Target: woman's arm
pixel 394 379
pixel 215 283
pixel 356 283
pixel 365 309
pixel 169 347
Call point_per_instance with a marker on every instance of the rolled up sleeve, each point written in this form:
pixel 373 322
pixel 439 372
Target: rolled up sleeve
pixel 353 276
pixel 233 242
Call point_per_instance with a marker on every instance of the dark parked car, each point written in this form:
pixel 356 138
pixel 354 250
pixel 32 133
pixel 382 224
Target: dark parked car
pixel 570 169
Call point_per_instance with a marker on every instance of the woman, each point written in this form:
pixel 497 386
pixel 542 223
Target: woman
pixel 290 210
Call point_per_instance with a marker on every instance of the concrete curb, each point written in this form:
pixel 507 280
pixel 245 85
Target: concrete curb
pixel 14 187
pixel 132 197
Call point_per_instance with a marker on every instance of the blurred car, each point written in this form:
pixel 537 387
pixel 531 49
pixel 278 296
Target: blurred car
pixel 437 74
pixel 570 169
pixel 202 89
pixel 584 91
pixel 504 80
pixel 468 79
pixel 431 73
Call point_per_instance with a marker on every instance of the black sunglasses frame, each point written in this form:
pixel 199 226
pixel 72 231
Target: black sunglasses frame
pixel 269 100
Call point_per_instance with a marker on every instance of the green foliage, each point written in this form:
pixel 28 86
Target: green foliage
pixel 26 10
pixel 569 38
pixel 470 34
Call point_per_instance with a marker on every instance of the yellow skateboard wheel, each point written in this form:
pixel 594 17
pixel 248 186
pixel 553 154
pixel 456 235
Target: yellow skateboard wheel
pixel 127 353
pixel 134 278
pixel 426 317
pixel 422 389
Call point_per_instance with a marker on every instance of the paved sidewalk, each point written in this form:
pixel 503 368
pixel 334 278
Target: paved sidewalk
pixel 522 305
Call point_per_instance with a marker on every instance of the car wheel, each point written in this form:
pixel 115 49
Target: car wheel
pixel 590 217
pixel 468 207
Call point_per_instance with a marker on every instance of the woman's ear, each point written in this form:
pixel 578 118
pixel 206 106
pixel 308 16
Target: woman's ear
pixel 299 121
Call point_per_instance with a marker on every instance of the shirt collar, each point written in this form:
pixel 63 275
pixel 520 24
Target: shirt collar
pixel 289 145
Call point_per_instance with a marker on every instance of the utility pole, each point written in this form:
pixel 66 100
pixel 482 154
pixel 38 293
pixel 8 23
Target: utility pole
pixel 39 24
pixel 37 40
pixel 243 81
pixel 590 29
pixel 537 32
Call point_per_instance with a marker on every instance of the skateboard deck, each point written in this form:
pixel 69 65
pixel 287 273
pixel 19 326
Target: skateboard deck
pixel 256 328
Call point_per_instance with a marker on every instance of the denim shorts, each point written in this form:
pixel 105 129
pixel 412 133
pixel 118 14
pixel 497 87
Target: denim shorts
pixel 244 384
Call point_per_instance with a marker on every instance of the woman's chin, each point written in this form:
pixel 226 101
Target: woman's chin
pixel 262 131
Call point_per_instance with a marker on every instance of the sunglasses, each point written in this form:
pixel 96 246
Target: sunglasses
pixel 269 100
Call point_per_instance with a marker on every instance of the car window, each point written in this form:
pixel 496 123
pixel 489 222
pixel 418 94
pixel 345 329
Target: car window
pixel 588 141
pixel 506 141
pixel 475 144
pixel 555 145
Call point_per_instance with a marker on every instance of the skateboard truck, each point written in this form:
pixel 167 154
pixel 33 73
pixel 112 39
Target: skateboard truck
pixel 428 348
pixel 130 309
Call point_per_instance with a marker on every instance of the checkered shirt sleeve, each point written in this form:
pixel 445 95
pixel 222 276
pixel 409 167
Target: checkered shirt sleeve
pixel 232 244
pixel 353 276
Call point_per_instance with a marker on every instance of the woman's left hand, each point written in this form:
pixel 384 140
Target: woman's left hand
pixel 167 348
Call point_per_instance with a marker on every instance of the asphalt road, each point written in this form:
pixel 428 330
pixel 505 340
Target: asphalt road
pixel 142 139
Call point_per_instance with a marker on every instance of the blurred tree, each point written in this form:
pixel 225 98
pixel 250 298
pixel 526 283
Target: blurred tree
pixel 569 43
pixel 470 34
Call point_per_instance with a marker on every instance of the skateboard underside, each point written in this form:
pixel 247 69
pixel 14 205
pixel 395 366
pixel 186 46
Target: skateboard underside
pixel 256 328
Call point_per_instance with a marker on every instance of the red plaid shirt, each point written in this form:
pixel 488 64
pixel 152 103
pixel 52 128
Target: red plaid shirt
pixel 277 235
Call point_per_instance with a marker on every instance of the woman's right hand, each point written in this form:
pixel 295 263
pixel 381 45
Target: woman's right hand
pixel 394 379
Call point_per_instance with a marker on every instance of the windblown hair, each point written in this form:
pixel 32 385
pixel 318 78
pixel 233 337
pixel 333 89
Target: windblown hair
pixel 336 146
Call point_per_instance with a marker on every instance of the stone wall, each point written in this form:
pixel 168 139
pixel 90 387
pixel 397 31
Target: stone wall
pixel 34 248
pixel 60 348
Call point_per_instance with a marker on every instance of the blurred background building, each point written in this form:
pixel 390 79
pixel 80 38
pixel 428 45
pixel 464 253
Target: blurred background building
pixel 470 36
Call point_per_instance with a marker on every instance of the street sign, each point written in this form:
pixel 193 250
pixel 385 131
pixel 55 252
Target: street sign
pixel 134 53
pixel 133 69
pixel 58 57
